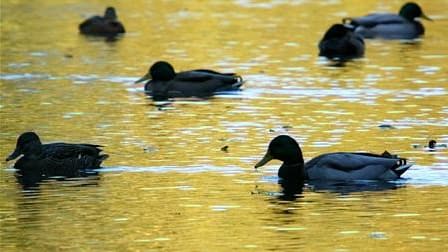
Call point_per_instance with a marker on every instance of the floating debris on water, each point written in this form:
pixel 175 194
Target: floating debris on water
pixel 378 235
pixel 386 126
pixel 149 149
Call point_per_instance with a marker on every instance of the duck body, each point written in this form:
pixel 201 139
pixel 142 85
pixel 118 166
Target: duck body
pixel 387 26
pixel 354 166
pixel 339 166
pixel 54 159
pixel 391 26
pixel 340 42
pixel 107 25
pixel 165 83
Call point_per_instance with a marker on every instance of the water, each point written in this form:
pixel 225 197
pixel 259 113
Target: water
pixel 167 185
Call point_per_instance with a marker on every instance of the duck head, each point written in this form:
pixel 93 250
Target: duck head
pixel 28 144
pixel 337 31
pixel 283 148
pixel 286 149
pixel 159 71
pixel 110 13
pixel 411 10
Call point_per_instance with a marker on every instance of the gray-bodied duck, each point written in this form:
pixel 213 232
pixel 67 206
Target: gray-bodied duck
pixel 340 42
pixel 165 83
pixel 107 25
pixel 403 25
pixel 332 166
pixel 54 159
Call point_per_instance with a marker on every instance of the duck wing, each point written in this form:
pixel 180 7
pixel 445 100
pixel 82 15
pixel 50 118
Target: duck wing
pixel 69 167
pixel 195 83
pixel 198 89
pixel 405 30
pixel 101 26
pixel 65 150
pixel 354 166
pixel 89 25
pixel 201 75
pixel 374 19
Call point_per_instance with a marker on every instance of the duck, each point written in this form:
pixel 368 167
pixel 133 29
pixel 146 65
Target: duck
pixel 391 26
pixel 107 25
pixel 340 42
pixel 337 166
pixel 54 159
pixel 164 83
pixel 433 145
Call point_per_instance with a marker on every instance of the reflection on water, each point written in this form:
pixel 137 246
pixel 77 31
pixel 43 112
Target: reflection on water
pixel 168 184
pixel 31 181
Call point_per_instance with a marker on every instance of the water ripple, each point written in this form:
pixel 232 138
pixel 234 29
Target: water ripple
pixel 178 169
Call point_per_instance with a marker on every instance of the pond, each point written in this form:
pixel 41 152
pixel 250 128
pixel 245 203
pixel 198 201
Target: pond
pixel 169 185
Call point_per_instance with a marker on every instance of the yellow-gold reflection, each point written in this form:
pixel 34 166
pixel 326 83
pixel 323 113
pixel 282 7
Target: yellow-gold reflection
pixel 68 87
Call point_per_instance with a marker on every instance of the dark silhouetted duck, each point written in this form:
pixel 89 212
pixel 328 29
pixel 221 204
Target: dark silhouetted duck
pixel 165 83
pixel 391 26
pixel 433 145
pixel 340 42
pixel 332 166
pixel 103 26
pixel 55 159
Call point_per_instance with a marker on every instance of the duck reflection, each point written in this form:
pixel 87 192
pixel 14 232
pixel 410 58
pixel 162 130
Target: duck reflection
pixel 347 187
pixel 30 181
pixel 291 189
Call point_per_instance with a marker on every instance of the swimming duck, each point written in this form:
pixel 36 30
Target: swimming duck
pixel 331 166
pixel 165 83
pixel 103 26
pixel 340 42
pixel 391 26
pixel 432 144
pixel 55 159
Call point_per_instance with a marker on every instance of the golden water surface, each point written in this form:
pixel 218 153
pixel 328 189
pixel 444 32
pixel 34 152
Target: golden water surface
pixel 167 185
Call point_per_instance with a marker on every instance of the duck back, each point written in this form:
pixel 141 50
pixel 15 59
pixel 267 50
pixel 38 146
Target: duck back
pixel 387 26
pixel 101 26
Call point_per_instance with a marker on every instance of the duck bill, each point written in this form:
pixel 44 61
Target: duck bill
pixel 146 77
pixel 426 17
pixel 13 155
pixel 267 157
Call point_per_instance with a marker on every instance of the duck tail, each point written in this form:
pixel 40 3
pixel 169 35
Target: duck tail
pixel 401 167
pixel 95 163
pixel 347 20
pixel 349 23
pixel 100 159
pixel 239 82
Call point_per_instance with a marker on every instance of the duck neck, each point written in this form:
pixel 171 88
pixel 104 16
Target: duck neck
pixel 292 170
pixel 33 150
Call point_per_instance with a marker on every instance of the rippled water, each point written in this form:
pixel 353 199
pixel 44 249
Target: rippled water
pixel 167 185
